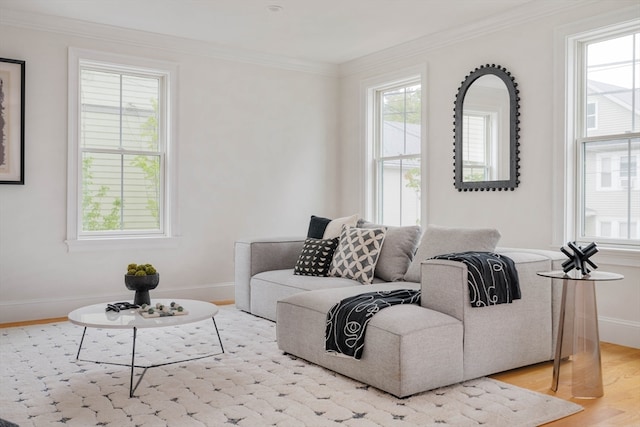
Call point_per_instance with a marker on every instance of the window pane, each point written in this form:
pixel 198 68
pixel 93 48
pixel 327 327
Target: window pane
pixel 400 198
pixel 99 109
pixel 140 113
pixel 611 65
pixel 611 190
pixel 400 110
pixel 120 192
pixel 118 110
pixel 141 183
pixel 101 197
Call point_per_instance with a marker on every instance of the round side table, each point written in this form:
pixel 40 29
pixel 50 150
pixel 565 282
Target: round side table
pixel 578 335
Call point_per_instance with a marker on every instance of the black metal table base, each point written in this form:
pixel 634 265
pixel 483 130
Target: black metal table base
pixel 133 388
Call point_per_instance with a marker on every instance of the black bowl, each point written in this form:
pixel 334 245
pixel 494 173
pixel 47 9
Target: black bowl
pixel 142 285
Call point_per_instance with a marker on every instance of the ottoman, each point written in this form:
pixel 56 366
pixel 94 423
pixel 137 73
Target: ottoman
pixel 408 348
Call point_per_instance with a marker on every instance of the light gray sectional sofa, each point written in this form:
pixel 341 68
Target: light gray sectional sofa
pixel 408 348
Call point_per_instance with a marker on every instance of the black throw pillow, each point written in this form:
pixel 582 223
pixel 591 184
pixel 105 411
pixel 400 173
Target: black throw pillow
pixel 317 225
pixel 315 258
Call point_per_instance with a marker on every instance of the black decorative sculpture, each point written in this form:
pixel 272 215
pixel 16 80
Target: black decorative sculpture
pixel 579 259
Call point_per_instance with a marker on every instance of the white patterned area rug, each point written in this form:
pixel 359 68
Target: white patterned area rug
pixel 252 384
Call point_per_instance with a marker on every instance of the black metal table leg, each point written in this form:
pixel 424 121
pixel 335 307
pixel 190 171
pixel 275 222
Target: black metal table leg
pixel 132 366
pixel 81 341
pixel 560 337
pixel 218 332
pixel 133 357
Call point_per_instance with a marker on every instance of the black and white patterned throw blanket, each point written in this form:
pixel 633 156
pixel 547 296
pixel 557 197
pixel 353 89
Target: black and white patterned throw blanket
pixel 492 278
pixel 348 319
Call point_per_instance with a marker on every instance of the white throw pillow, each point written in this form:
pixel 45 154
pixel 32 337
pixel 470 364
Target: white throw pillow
pixel 334 228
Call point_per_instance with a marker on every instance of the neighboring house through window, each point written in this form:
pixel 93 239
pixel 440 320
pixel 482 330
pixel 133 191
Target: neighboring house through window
pixel 394 146
pixel 120 165
pixel 591 116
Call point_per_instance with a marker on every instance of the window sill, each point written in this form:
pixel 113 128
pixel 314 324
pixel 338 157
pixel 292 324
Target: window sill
pixel 121 243
pixel 618 256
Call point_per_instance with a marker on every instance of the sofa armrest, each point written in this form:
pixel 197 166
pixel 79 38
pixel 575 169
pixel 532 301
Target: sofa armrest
pixel 253 256
pixel 444 287
pixel 444 283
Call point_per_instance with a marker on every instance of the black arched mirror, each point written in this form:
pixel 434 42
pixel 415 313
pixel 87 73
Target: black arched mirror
pixel 487 127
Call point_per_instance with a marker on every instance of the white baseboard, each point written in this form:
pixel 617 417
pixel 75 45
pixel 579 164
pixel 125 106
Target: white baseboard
pixel 616 331
pixel 621 332
pixel 47 308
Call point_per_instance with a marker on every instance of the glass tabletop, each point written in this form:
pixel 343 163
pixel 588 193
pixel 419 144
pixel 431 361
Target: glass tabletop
pixel 577 275
pixel 95 316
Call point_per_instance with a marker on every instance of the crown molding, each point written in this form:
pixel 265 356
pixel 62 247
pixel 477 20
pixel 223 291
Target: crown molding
pixel 529 11
pixel 149 40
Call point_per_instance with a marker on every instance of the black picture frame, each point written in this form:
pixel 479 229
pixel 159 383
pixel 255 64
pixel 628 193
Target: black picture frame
pixel 12 97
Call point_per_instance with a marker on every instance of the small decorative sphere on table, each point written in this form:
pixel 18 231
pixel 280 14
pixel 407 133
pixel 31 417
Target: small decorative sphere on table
pixel 141 278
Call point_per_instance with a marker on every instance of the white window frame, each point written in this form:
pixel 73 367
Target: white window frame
pixel 79 241
pixel 565 203
pixel 369 91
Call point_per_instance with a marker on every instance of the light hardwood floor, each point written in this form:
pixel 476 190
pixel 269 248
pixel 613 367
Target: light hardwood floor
pixel 620 405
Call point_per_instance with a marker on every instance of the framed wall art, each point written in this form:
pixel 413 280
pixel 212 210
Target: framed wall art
pixel 11 121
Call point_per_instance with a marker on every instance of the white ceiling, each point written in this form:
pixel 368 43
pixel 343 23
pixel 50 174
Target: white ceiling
pixel 330 31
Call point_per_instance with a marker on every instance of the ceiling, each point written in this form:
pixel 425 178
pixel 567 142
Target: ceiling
pixel 328 31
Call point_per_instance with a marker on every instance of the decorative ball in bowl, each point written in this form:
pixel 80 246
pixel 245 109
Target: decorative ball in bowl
pixel 141 278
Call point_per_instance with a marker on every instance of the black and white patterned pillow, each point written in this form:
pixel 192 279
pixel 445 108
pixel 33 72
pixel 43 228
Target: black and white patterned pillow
pixel 315 258
pixel 357 253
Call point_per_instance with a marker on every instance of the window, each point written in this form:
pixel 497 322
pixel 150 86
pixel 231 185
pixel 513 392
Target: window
pixel 120 167
pixel 396 139
pixel 607 135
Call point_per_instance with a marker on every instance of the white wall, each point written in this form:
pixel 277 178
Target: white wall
pixel 256 146
pixel 262 147
pixel 525 217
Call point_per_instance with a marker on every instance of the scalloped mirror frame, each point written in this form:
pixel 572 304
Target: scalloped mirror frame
pixel 514 131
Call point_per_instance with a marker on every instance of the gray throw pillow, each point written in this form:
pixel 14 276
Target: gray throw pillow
pixel 438 240
pixel 400 244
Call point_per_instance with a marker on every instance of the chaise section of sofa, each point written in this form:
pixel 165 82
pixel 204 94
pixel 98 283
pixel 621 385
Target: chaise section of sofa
pixel 407 348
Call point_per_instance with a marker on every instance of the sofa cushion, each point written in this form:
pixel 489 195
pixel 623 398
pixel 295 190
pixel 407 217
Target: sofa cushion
pixel 357 253
pixel 438 240
pixel 400 244
pixel 315 257
pixel 334 228
pixel 268 287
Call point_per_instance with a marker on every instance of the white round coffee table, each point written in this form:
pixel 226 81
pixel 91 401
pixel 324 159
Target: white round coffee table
pixel 96 316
